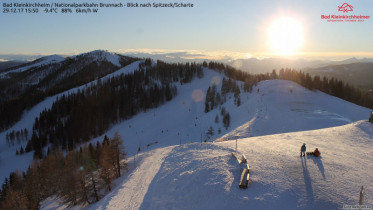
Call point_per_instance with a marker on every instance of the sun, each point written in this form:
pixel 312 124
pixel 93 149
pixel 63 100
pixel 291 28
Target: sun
pixel 285 36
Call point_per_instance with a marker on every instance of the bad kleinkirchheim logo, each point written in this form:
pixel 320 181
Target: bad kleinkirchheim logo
pixel 345 8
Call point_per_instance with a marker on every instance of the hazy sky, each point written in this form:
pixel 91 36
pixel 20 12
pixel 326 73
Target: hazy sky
pixel 237 28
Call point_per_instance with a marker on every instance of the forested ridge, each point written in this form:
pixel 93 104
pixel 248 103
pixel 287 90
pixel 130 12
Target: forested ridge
pixel 106 103
pixel 25 89
pixel 331 86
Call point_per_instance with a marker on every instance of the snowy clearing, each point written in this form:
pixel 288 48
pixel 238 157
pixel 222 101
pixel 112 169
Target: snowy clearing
pixel 195 176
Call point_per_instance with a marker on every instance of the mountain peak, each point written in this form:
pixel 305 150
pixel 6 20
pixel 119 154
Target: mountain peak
pixel 353 59
pixel 53 58
pixel 102 55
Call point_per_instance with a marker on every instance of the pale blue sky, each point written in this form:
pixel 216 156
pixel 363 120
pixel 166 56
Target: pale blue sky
pixel 238 27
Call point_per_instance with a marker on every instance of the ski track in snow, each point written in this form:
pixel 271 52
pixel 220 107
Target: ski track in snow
pixel 137 183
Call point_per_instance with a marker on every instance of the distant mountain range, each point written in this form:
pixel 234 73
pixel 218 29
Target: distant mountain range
pixel 357 72
pixel 9 64
pixel 254 65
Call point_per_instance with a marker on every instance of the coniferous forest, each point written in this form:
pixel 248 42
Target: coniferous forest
pixel 106 103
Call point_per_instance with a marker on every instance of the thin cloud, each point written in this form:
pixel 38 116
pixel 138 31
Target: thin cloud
pixel 190 54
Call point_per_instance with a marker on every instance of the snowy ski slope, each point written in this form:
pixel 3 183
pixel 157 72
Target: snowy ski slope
pixel 206 176
pixel 279 118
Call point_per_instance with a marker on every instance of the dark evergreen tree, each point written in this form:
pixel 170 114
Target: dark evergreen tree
pixel 210 132
pixel 223 111
pixel 216 119
pixel 148 62
pixel 226 120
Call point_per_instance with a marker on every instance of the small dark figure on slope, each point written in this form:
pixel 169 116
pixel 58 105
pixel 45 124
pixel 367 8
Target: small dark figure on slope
pixel 303 150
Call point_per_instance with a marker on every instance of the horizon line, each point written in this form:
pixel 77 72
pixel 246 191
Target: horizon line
pixel 213 55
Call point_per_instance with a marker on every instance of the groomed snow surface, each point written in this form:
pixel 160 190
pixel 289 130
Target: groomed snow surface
pixel 206 176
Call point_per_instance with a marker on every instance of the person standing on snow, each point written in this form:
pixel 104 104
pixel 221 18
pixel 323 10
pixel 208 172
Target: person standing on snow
pixel 303 150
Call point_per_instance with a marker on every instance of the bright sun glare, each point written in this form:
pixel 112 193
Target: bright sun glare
pixel 285 36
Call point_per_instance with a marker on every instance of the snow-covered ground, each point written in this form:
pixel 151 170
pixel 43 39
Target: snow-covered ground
pixel 137 182
pixel 272 110
pixel 191 176
pixel 206 176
